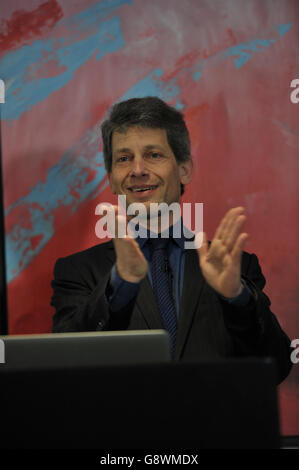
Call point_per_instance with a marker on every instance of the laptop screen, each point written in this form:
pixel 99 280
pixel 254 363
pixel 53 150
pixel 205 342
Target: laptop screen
pixel 60 350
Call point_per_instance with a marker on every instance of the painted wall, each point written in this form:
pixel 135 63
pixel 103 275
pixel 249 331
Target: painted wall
pixel 226 64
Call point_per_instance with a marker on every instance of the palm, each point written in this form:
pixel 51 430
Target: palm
pixel 221 261
pixel 131 263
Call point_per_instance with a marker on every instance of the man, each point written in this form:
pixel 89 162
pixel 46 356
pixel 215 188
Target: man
pixel 210 300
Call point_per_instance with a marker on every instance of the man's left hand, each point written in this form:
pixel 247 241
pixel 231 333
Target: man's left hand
pixel 221 261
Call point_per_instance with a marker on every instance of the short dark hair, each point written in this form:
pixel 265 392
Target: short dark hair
pixel 150 112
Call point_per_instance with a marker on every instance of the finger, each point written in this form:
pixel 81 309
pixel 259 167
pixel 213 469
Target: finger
pixel 122 228
pixel 217 251
pixel 119 210
pixel 236 212
pixel 117 220
pixel 201 240
pixel 235 230
pixel 126 244
pixel 130 261
pixel 239 247
pixel 222 228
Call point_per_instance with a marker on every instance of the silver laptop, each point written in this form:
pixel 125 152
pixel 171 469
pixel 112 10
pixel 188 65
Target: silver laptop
pixel 60 350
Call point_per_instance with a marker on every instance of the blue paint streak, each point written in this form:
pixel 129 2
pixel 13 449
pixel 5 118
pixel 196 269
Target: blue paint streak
pixel 244 51
pixel 153 85
pixel 283 28
pixel 196 76
pixel 26 91
pixel 19 68
pixel 65 186
pixel 87 18
pixel 241 53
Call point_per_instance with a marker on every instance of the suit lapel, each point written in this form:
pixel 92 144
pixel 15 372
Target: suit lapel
pixel 192 289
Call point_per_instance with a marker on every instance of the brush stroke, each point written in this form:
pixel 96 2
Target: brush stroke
pixel 25 70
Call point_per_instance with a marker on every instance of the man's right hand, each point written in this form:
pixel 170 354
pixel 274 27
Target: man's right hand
pixel 131 264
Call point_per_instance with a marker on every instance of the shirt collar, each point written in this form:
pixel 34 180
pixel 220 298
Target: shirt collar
pixel 180 241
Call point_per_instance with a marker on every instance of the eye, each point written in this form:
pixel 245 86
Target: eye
pixel 155 155
pixel 123 158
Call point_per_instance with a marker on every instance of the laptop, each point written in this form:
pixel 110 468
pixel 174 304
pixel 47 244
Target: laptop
pixel 62 350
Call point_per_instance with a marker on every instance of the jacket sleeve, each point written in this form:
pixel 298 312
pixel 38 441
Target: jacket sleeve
pixel 254 328
pixel 78 307
pixel 82 305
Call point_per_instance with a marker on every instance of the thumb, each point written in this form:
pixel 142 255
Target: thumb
pixel 202 243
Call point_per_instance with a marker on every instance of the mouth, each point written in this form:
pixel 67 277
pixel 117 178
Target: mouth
pixel 143 190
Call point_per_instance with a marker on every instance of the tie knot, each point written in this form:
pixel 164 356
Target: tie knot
pixel 158 243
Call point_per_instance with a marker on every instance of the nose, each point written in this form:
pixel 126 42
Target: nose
pixel 138 167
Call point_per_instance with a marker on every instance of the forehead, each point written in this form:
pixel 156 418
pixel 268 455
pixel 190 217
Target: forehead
pixel 139 137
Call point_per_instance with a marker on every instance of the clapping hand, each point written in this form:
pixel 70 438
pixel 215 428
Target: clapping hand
pixel 221 261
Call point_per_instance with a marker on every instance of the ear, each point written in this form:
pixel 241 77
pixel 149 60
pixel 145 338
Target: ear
pixel 111 183
pixel 186 171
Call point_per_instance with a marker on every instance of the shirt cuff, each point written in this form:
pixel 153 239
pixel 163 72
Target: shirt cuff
pixel 242 299
pixel 120 292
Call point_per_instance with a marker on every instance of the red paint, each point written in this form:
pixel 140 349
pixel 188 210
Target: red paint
pixel 20 216
pixel 35 241
pixel 74 193
pixel 232 37
pixel 148 33
pixel 187 60
pixel 190 58
pixel 27 25
pixel 90 176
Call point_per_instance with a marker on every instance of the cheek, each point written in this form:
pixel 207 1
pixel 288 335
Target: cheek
pixel 175 181
pixel 173 187
pixel 111 184
pixel 115 182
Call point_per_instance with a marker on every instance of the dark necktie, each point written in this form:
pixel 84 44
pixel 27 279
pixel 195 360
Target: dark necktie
pixel 162 286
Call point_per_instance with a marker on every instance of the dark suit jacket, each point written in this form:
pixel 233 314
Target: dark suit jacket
pixel 208 326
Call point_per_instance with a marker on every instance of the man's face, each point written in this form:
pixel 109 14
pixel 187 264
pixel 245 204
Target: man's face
pixel 144 167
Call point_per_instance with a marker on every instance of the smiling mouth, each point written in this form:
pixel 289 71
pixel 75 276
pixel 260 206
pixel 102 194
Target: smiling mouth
pixel 143 189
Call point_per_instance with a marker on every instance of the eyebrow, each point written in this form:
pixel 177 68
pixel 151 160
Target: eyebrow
pixel 122 150
pixel 147 147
